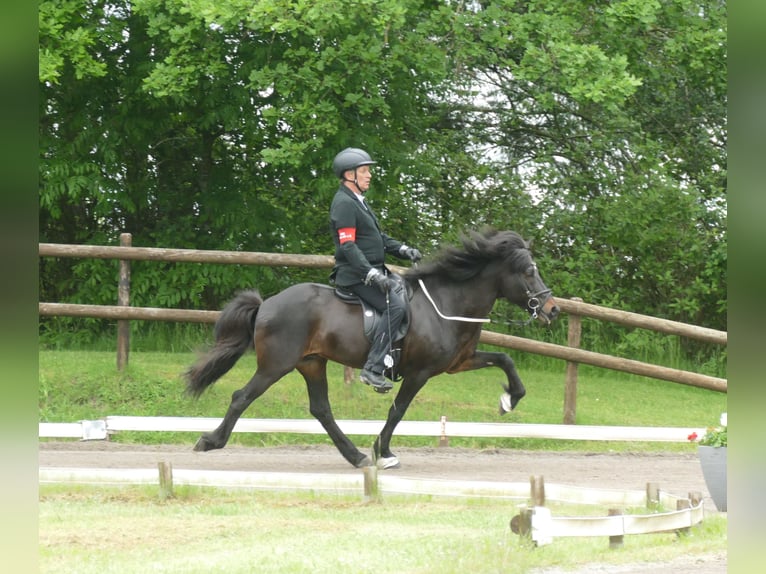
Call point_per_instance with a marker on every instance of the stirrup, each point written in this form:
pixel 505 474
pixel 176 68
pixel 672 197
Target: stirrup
pixel 376 381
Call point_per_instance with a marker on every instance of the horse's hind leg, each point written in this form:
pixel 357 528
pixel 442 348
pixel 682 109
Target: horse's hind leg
pixel 314 370
pixel 240 400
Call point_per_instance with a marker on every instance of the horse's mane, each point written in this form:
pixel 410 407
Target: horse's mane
pixel 478 249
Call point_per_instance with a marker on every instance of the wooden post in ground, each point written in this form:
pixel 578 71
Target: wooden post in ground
pixel 166 479
pixel 570 385
pixel 123 300
pixel 693 501
pixel 537 490
pixel 695 496
pixel 521 524
pixel 443 439
pixel 683 504
pixel 652 495
pixel 348 375
pixel 371 491
pixel 618 540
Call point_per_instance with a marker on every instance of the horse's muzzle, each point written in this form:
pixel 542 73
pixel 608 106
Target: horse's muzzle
pixel 548 312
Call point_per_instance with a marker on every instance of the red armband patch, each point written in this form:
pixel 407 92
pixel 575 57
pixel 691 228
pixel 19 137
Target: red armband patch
pixel 347 234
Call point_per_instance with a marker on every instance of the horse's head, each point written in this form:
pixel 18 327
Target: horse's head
pixel 521 284
pixel 527 290
pixel 502 261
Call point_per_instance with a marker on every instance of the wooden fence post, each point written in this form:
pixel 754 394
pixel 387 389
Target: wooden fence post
pixel 521 524
pixel 652 495
pixel 371 490
pixel 537 490
pixel 123 300
pixel 166 479
pixel 616 541
pixel 683 504
pixel 443 438
pixel 348 375
pixel 570 388
pixel 695 496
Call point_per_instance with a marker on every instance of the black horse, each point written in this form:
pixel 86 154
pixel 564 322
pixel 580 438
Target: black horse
pixel 307 325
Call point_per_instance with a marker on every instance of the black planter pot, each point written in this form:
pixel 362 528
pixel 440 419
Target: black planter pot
pixel 713 462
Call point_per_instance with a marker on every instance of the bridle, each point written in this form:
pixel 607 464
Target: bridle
pixel 533 303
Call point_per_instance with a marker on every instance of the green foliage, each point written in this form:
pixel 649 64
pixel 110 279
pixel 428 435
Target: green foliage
pixel 715 436
pixel 598 130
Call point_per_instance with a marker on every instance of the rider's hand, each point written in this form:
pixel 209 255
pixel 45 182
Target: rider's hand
pixel 410 253
pixel 381 281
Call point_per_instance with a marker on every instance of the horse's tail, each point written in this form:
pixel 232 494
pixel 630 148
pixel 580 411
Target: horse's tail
pixel 234 331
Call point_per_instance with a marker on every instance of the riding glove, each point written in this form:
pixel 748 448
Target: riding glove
pixel 410 253
pixel 381 281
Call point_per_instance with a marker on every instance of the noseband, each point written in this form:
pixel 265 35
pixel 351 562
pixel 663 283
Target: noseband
pixel 533 303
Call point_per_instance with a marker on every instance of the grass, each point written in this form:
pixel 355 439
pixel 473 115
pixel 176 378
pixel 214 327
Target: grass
pixel 76 385
pixel 126 530
pixel 105 529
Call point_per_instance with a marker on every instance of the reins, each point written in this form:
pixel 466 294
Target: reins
pixel 533 303
pixel 446 317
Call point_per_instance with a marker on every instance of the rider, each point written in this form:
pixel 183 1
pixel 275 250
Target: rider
pixel 360 249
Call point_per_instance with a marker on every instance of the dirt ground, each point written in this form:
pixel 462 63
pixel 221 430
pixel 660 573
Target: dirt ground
pixel 677 474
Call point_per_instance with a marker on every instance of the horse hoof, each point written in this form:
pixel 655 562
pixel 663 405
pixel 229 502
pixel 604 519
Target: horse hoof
pixel 505 404
pixel 203 445
pixel 366 461
pixel 384 463
pixel 508 402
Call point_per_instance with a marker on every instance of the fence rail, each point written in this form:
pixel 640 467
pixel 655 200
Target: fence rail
pixel 573 355
pixel 443 429
pixel 117 312
pixel 625 318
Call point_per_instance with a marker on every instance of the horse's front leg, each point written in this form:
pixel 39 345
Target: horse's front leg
pixel 382 448
pixel 514 389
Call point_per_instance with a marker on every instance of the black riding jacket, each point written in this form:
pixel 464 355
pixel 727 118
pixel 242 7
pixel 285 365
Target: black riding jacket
pixel 364 244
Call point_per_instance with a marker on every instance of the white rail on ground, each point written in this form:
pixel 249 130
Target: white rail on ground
pixel 543 525
pixel 102 428
pixel 347 483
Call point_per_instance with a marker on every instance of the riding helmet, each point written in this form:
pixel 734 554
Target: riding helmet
pixel 350 158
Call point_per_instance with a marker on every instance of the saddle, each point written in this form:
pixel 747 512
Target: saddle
pixel 371 317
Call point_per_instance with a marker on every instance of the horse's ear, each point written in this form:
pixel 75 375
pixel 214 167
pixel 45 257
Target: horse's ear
pixel 530 243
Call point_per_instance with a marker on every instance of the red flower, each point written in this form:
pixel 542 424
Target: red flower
pixel 692 437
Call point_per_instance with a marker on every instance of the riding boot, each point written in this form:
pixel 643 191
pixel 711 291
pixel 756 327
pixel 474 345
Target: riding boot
pixel 372 373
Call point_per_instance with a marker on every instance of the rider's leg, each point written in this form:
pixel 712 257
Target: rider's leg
pixel 386 328
pixel 392 315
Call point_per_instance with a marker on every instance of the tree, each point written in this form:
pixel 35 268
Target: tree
pixel 612 115
pixel 212 125
pixel 596 128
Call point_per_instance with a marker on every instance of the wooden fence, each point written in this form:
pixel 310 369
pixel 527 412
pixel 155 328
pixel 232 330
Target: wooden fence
pixel 575 308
